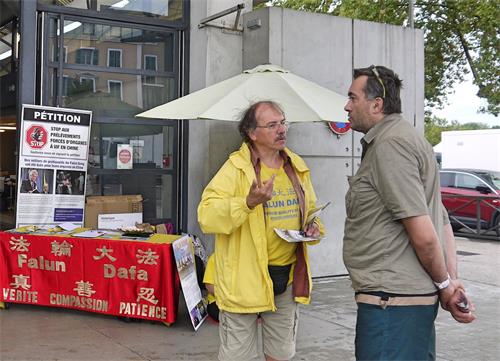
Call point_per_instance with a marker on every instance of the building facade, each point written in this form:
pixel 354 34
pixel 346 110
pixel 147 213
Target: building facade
pixel 116 58
pixel 119 58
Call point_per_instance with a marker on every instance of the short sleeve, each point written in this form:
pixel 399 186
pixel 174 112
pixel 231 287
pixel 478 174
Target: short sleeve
pixel 446 218
pixel 397 178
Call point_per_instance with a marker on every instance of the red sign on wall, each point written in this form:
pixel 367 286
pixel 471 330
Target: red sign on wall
pixel 339 127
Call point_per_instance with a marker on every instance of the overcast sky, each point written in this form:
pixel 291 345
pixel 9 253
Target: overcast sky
pixel 464 104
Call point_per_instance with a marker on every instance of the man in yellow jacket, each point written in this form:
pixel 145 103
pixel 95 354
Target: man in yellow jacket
pixel 260 187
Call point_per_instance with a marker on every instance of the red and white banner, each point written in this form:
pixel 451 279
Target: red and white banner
pixel 135 279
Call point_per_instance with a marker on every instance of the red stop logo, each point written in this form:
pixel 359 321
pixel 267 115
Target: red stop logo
pixel 339 127
pixel 36 137
pixel 124 156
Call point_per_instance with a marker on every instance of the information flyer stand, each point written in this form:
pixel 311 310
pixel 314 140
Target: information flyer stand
pixel 52 165
pixel 184 259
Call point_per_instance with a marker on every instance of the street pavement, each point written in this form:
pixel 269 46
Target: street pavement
pixel 326 328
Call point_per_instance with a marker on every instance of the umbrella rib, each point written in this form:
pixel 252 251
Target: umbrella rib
pixel 311 84
pixel 251 101
pixel 300 97
pixel 302 100
pixel 221 100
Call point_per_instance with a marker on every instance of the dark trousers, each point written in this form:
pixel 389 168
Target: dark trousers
pixel 396 332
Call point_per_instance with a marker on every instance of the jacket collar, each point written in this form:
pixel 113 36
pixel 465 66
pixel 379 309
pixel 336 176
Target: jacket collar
pixel 380 127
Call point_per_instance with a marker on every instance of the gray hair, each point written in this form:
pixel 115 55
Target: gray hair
pixel 248 120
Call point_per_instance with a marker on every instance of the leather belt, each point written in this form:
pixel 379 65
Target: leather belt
pixel 385 301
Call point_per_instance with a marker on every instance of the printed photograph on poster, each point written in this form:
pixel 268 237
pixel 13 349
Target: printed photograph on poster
pixel 36 180
pixel 70 182
pixel 198 313
pixel 184 259
pixel 185 263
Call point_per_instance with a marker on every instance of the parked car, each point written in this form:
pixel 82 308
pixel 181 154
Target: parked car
pixel 464 185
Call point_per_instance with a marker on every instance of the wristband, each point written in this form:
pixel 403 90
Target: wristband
pixel 442 285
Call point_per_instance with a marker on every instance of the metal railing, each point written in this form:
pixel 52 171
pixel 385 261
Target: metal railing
pixel 492 231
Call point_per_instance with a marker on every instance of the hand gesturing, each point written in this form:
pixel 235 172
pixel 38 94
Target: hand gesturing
pixel 260 193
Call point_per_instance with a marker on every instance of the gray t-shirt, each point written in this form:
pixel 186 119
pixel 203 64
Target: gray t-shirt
pixel 398 178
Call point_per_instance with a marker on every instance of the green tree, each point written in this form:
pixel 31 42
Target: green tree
pixel 461 36
pixel 434 126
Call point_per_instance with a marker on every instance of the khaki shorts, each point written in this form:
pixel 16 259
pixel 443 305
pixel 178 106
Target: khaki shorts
pixel 238 332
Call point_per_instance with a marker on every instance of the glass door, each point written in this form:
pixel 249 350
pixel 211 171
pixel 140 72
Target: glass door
pixel 9 63
pixel 117 70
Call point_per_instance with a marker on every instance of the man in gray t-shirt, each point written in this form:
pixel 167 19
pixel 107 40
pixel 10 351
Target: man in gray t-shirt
pixel 399 248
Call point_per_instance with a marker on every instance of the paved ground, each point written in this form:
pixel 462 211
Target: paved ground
pixel 326 331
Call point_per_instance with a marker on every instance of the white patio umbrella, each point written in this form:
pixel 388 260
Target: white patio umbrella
pixel 301 99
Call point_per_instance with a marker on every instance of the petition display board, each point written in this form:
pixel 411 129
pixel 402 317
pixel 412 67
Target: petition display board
pixel 135 279
pixel 52 165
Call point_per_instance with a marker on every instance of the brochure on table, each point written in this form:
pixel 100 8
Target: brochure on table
pixel 184 259
pixel 53 161
pixel 72 230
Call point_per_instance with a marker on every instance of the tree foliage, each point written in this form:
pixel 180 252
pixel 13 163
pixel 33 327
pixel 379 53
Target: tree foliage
pixel 434 126
pixel 461 36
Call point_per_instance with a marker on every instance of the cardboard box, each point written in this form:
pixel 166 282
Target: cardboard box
pixel 96 205
pixel 118 220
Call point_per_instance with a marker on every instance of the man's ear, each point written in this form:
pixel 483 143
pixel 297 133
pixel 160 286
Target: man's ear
pixel 378 106
pixel 251 135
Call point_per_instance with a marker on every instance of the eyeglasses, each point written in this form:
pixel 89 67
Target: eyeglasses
pixel 275 125
pixel 377 75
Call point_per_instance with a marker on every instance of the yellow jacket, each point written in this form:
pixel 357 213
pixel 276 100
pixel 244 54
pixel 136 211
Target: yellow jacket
pixel 208 277
pixel 242 281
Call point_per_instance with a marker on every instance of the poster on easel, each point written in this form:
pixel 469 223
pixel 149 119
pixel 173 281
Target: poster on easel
pixel 184 259
pixel 53 160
